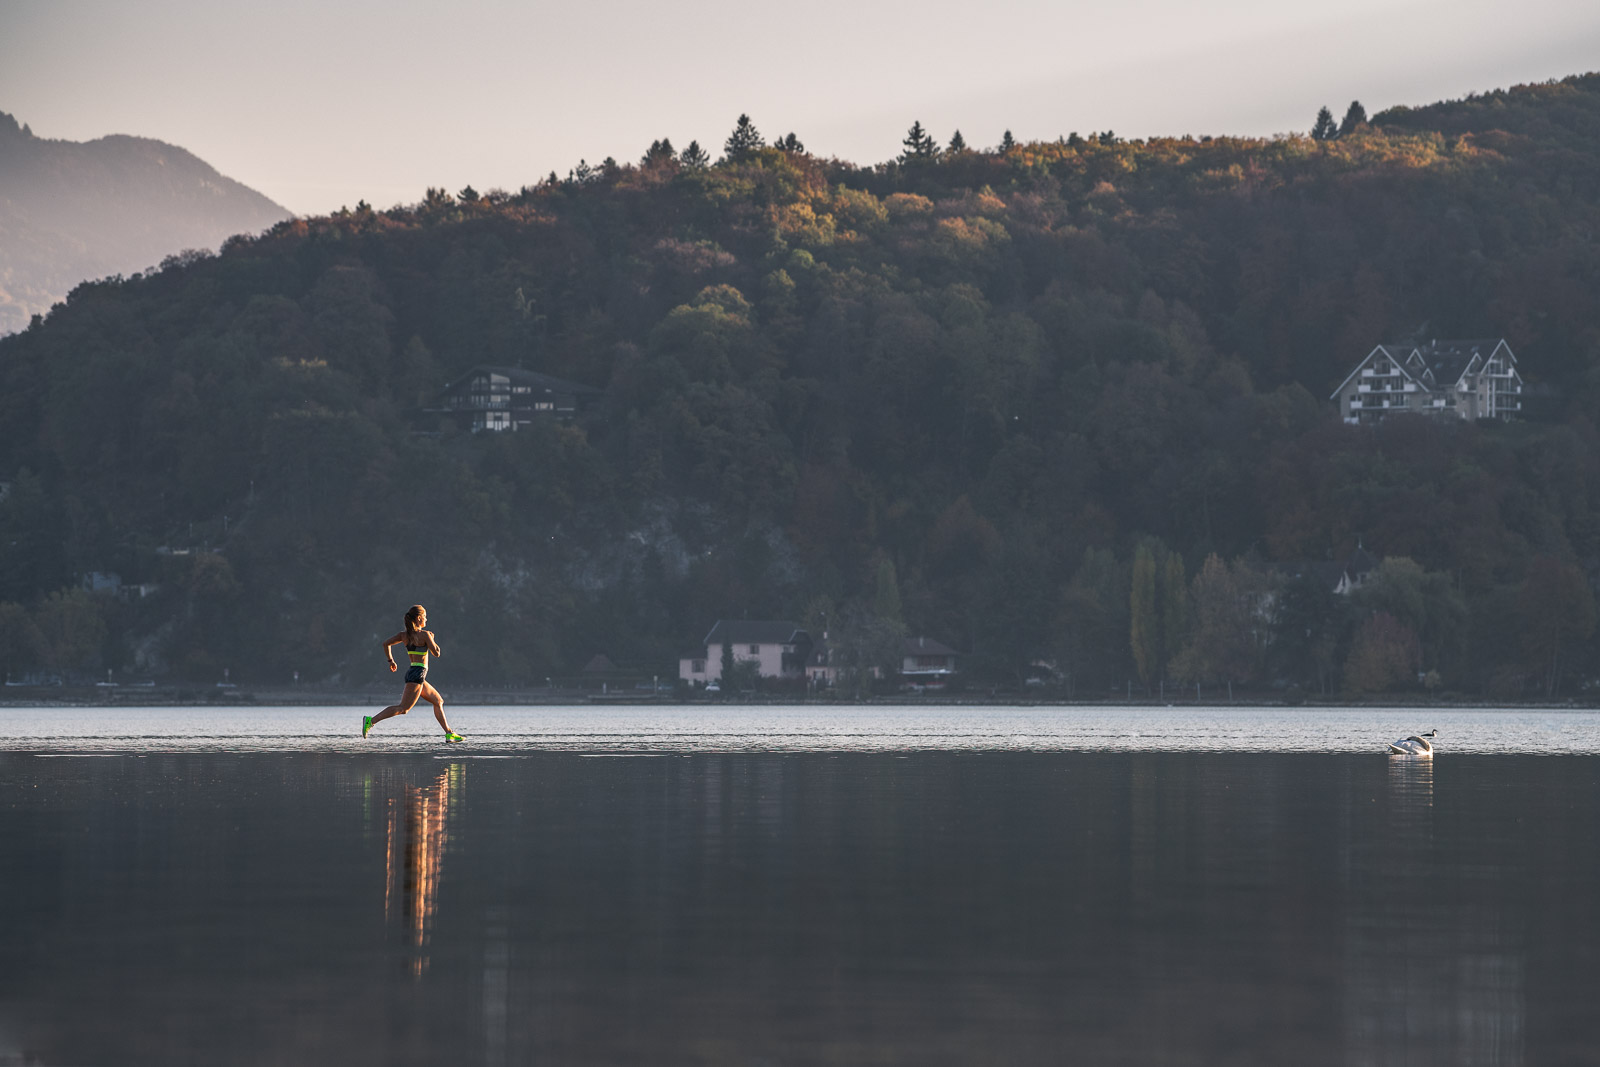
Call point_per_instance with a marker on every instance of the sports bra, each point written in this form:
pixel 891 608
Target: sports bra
pixel 417 656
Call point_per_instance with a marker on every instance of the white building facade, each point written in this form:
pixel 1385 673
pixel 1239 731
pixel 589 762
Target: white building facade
pixel 1442 379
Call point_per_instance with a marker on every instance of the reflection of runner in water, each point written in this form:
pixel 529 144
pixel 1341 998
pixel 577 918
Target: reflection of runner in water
pixel 419 644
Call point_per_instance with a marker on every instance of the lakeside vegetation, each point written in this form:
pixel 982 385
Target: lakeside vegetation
pixel 1052 402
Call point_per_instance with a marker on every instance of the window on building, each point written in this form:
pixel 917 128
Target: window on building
pixel 697 666
pixel 755 650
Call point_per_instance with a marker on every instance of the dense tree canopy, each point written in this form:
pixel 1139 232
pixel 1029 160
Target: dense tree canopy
pixel 1035 389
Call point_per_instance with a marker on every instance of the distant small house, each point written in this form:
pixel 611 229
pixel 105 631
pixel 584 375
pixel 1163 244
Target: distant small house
pixel 926 663
pixel 105 584
pixel 821 673
pixel 505 398
pixel 1442 379
pixel 778 649
pixel 1342 577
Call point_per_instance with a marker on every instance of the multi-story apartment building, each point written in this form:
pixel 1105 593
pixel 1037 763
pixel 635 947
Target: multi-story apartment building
pixel 1448 379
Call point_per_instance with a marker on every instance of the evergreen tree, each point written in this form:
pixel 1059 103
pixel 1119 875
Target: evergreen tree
pixel 744 139
pixel 1007 142
pixel 694 157
pixel 1324 130
pixel 958 143
pixel 1355 116
pixel 886 594
pixel 659 152
pixel 920 147
pixel 792 144
pixel 469 195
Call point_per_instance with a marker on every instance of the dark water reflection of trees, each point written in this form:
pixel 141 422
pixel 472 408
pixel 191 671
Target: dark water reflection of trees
pixel 927 908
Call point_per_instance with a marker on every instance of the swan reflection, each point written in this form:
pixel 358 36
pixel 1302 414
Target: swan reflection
pixel 1430 979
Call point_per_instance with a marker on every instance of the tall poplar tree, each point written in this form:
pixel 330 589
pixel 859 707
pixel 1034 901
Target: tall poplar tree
pixel 1144 624
pixel 886 594
pixel 1174 608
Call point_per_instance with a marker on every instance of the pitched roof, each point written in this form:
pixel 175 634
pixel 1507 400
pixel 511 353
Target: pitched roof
pixel 533 378
pixel 1446 360
pixel 752 632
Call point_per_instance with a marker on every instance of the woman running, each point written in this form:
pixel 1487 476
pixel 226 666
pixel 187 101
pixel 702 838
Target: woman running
pixel 419 644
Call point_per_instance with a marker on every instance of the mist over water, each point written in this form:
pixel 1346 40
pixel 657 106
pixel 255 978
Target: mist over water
pixel 663 886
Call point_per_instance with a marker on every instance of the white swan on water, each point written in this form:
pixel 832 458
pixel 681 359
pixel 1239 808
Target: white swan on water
pixel 1417 746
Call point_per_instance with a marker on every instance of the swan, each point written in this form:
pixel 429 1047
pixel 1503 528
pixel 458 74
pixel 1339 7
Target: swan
pixel 1417 746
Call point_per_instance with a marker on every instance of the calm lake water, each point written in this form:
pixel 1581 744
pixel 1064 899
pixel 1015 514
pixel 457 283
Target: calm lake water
pixel 799 886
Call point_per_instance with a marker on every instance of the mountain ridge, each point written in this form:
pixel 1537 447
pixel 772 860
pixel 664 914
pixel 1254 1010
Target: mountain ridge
pixel 75 211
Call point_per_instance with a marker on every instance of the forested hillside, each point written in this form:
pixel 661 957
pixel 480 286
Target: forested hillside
pixel 1060 402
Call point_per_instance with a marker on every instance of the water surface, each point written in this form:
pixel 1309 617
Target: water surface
pixel 675 886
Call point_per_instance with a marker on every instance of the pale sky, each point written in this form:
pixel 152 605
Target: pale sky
pixel 318 104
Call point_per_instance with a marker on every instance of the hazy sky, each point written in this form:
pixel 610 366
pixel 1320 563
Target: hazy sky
pixel 322 104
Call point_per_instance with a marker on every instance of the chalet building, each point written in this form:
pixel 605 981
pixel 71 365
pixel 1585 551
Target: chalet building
pixel 1442 379
pixel 778 649
pixel 505 398
pixel 926 664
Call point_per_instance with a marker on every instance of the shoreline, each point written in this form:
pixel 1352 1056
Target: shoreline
pixel 243 697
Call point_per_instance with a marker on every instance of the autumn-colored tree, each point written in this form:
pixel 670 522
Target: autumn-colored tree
pixel 1425 601
pixel 1385 656
pixel 1227 637
pixel 71 629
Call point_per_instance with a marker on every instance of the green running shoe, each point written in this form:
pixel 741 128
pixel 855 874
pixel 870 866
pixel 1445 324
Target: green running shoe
pixel 366 724
pixel 450 737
